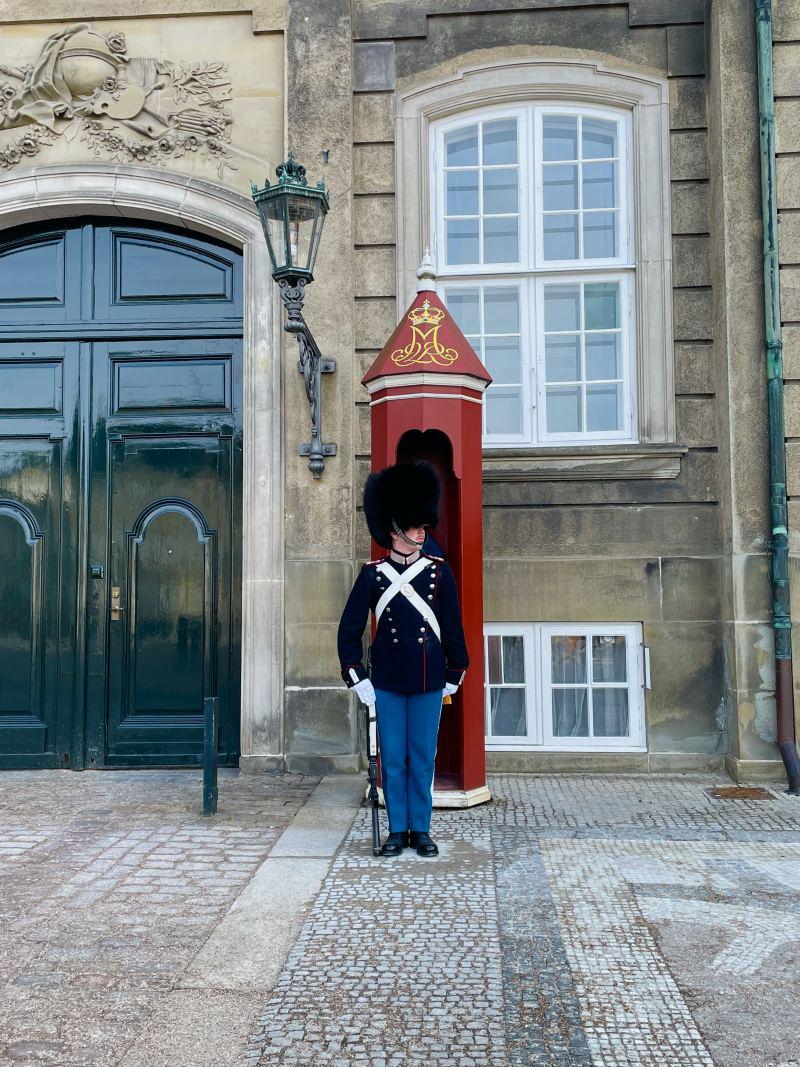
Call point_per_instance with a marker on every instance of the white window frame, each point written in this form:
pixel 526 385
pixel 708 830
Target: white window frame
pixel 527 391
pixel 529 168
pixel 531 271
pixel 587 83
pixel 627 430
pixel 538 700
pixel 437 192
pixel 624 172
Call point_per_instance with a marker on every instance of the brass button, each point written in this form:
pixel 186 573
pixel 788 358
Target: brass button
pixel 420 639
pixel 422 629
pixel 430 596
pixel 393 630
pixel 395 640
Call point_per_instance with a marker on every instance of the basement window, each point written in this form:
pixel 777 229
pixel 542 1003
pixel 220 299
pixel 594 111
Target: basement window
pixel 556 687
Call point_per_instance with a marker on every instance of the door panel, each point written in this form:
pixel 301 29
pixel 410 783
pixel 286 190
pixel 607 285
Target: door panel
pixel 167 454
pixel 38 551
pixel 171 621
pixel 170 561
pixel 35 284
pixel 145 274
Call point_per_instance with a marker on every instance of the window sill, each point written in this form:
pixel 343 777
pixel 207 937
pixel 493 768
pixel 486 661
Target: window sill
pixel 582 463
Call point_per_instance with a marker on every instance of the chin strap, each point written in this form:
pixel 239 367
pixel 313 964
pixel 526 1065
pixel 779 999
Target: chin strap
pixel 401 533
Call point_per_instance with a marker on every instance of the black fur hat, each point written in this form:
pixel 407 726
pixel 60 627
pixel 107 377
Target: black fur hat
pixel 406 492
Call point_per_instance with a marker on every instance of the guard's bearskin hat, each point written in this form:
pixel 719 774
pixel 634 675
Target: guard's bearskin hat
pixel 406 492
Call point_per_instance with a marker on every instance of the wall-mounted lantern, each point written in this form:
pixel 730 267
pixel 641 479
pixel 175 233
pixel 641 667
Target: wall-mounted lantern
pixel 292 215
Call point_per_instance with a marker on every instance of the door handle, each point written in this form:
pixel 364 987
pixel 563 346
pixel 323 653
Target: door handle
pixel 116 606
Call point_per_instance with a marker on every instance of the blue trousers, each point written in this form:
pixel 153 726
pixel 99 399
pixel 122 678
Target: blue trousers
pixel 408 725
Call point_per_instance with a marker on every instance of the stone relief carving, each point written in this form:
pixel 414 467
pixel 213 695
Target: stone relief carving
pixel 125 108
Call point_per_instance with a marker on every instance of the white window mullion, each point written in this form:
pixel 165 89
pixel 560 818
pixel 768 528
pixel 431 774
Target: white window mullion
pixel 535 731
pixel 538 195
pixel 580 186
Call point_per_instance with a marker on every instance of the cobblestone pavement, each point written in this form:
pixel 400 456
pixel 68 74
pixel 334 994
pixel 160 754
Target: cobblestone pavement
pixel 614 920
pixel 109 884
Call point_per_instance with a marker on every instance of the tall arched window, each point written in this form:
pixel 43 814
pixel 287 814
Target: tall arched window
pixel 533 242
pixel 542 186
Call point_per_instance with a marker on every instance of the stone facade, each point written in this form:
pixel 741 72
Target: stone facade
pixel 671 533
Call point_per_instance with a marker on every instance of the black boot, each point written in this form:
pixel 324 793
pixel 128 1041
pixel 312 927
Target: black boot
pixel 395 843
pixel 421 841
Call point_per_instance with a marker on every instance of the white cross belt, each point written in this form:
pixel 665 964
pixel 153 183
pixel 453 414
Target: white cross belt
pixel 401 583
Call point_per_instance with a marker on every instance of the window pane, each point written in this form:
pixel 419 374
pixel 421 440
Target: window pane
pixel 570 713
pixel 501 356
pixel 603 408
pixel 503 410
pixel 563 409
pixel 462 192
pixel 602 356
pixel 513 659
pixel 461 147
pixel 462 241
pixel 500 191
pixel 599 138
pixel 562 307
pixel 507 715
pixel 464 307
pixel 562 357
pixel 609 662
pixel 560 236
pixel 500 241
pixel 501 310
pixel 500 142
pixel 599 234
pixel 568 658
pixel 475 343
pixel 560 137
pixel 610 713
pixel 601 305
pixel 560 188
pixel 599 185
pixel 494 665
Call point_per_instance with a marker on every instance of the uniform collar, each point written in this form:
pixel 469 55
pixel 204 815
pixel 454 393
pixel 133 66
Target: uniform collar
pixel 401 561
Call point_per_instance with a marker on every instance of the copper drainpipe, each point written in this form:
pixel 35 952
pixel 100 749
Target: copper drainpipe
pixel 779 541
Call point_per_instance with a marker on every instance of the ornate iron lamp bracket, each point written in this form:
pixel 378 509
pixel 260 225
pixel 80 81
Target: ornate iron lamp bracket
pixel 312 366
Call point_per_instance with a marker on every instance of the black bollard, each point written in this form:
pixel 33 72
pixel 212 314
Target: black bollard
pixel 210 729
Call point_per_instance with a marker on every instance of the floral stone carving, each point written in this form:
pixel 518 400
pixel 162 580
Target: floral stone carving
pixel 125 108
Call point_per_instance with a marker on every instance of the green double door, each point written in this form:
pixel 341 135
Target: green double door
pixel 120 495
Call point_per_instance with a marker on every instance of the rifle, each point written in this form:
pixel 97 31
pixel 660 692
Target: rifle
pixel 372 774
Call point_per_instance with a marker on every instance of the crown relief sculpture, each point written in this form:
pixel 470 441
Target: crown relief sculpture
pixel 125 108
pixel 424 345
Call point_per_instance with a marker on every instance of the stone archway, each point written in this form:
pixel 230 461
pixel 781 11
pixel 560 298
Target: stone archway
pixel 160 196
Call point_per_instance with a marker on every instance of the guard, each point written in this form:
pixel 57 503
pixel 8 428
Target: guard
pixel 418 653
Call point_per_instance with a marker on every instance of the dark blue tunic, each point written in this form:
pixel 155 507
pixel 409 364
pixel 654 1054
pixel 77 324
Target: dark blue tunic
pixel 406 656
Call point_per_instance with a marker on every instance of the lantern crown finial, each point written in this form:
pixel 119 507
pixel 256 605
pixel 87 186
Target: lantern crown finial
pixel 291 171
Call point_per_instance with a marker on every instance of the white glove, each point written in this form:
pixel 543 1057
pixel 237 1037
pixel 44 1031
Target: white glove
pixel 450 689
pixel 366 694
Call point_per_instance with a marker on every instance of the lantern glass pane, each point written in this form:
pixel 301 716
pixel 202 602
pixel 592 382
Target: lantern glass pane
pixel 302 213
pixel 272 219
pixel 319 222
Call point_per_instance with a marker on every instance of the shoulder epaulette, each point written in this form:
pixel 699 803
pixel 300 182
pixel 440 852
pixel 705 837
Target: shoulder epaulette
pixel 439 559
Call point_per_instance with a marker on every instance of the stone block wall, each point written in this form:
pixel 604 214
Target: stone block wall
pixel 634 549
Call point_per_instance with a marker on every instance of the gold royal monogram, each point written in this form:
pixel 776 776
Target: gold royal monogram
pixel 424 346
